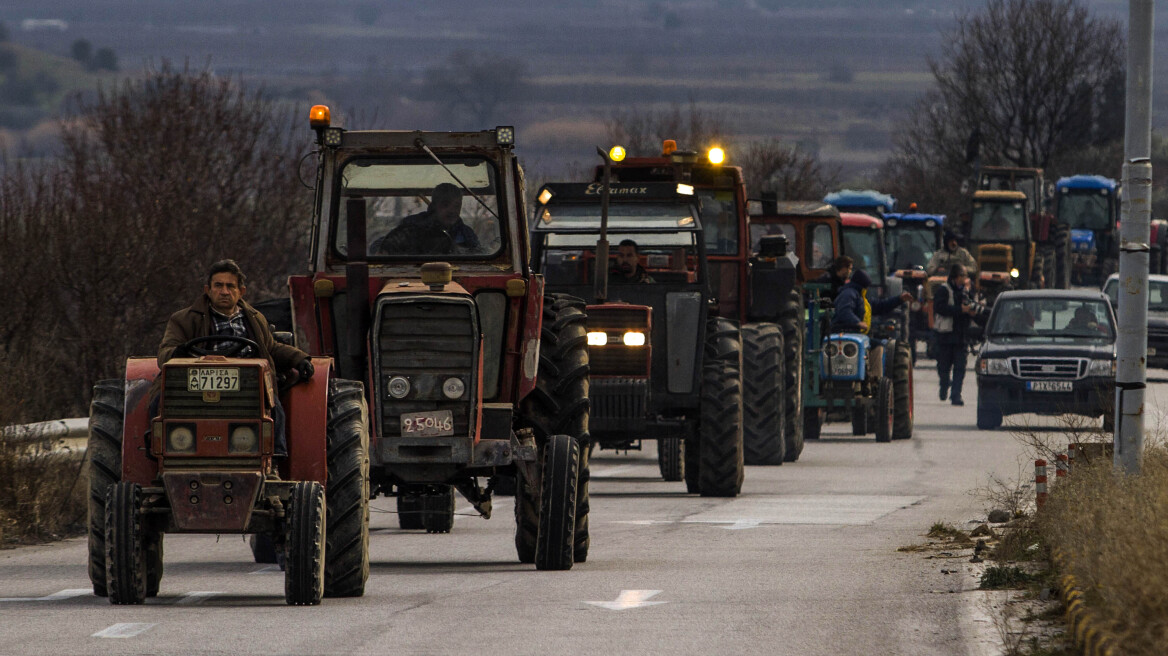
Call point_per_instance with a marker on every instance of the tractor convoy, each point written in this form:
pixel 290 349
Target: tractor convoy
pixel 466 347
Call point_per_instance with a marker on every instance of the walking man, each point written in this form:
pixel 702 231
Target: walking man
pixel 952 311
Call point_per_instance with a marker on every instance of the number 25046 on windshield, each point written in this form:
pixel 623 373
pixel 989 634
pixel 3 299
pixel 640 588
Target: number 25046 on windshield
pixel 219 379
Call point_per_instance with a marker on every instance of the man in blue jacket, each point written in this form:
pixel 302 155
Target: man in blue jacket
pixel 854 312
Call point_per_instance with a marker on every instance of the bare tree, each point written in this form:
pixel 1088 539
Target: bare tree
pixel 1036 80
pixel 771 165
pixel 475 84
pixel 158 178
pixel 641 130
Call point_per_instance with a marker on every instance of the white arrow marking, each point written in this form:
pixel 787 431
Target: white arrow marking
pixel 56 596
pixel 125 630
pixel 630 599
pixel 195 598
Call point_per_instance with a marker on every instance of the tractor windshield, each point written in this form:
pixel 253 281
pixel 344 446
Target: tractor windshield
pixel 911 245
pixel 1085 211
pixel 662 257
pixel 416 208
pixel 563 217
pixel 863 246
pixel 998 222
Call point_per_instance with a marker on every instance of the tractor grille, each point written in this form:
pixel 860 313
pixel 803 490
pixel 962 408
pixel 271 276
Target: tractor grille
pixel 995 257
pixel 1049 368
pixel 178 403
pixel 427 341
pixel 614 358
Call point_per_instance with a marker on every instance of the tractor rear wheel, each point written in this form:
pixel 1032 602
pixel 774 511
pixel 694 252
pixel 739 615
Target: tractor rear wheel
pixel 304 558
pixel 346 553
pixel 104 452
pixel 409 510
pixel 859 420
pixel 671 458
pixel 555 546
pixel 692 454
pixel 1037 267
pixel 902 392
pixel 885 410
pixel 263 548
pixel 793 326
pixel 559 403
pixel 526 518
pixel 438 509
pixel 721 471
pixel 152 551
pixel 812 423
pixel 763 378
pixel 125 568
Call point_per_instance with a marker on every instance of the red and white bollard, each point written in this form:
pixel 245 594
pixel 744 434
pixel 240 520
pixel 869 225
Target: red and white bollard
pixel 1062 466
pixel 1040 482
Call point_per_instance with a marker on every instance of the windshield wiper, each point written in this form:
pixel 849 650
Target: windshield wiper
pixel 422 144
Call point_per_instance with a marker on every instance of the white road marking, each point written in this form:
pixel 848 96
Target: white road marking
pixel 56 596
pixel 265 570
pixel 741 524
pixel 124 630
pixel 195 598
pixel 630 599
pixel 606 472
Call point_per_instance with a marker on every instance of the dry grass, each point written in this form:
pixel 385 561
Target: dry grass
pixel 1114 530
pixel 42 494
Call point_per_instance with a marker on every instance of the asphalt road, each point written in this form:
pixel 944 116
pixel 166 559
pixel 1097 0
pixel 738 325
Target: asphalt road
pixel 804 562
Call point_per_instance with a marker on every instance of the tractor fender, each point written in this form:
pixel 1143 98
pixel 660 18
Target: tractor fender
pixel 306 409
pixel 138 466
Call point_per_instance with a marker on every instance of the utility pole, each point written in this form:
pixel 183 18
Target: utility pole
pixel 1131 348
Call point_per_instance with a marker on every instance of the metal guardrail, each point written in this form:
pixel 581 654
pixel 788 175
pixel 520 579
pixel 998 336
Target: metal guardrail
pixel 59 435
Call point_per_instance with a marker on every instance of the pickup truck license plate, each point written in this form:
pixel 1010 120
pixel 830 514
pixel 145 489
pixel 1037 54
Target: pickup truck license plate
pixel 440 422
pixel 1050 385
pixel 217 379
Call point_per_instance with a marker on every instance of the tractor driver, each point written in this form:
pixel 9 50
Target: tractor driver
pixel 221 310
pixel 628 267
pixel 439 229
pixel 943 260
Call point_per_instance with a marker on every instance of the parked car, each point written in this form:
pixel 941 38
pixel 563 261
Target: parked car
pixel 1157 315
pixel 1049 352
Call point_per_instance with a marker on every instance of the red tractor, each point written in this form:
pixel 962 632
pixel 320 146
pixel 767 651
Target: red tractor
pixel 420 285
pixel 764 299
pixel 203 464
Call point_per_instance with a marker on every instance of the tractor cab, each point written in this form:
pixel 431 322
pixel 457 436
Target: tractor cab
pixel 812 230
pixel 999 238
pixel 912 239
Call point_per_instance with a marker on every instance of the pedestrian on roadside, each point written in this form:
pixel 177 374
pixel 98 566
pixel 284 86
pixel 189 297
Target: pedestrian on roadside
pixel 953 308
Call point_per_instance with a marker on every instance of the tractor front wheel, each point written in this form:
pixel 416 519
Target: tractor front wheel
pixel 438 509
pixel 125 566
pixel 763 379
pixel 104 452
pixel 885 410
pixel 304 561
pixel 722 466
pixel 793 328
pixel 346 556
pixel 554 546
pixel 902 392
pixel 671 458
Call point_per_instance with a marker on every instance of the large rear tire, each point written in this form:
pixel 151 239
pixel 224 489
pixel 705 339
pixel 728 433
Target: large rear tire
pixel 305 558
pixel 559 403
pixel 763 378
pixel 693 465
pixel 438 509
pixel 263 548
pixel 721 471
pixel 555 547
pixel 526 519
pixel 104 453
pixel 409 509
pixel 902 392
pixel 859 420
pixel 885 410
pixel 347 550
pixel 671 458
pixel 125 569
pixel 812 423
pixel 793 326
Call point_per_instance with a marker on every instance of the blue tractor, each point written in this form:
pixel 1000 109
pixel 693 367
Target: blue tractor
pixel 910 240
pixel 1089 204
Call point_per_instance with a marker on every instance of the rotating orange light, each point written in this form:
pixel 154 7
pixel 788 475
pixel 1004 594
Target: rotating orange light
pixel 319 116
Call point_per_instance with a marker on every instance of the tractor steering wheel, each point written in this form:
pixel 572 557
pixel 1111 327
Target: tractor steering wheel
pixel 237 344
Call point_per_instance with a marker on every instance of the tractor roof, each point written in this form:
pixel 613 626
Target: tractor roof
pixel 861 198
pixel 999 196
pixel 1086 182
pixel 916 218
pixel 856 220
pixel 808 208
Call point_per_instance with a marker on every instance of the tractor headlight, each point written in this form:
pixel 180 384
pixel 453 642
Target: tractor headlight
pixel 634 338
pixel 1101 368
pixel 180 439
pixel 850 349
pixel 1013 273
pixel 717 155
pixel 832 350
pixel 453 388
pixel 243 439
pixel 994 367
pixel 399 386
pixel 597 338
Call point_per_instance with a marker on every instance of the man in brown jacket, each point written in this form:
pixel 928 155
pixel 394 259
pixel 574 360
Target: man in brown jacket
pixel 221 310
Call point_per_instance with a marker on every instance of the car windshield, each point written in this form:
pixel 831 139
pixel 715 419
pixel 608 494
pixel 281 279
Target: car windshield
pixel 570 259
pixel 760 230
pixel 1085 211
pixel 1157 296
pixel 998 222
pixel 910 245
pixel 1038 320
pixel 863 246
pixel 416 208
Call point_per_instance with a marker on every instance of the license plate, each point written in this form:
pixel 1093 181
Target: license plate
pixel 1050 385
pixel 440 422
pixel 219 379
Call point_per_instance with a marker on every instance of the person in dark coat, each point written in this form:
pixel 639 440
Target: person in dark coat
pixel 853 310
pixel 221 310
pixel 953 308
pixel 437 230
pixel 837 276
